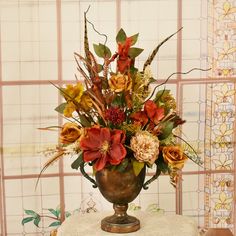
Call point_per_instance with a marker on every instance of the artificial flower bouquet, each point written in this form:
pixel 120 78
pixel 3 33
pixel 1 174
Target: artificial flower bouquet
pixel 115 119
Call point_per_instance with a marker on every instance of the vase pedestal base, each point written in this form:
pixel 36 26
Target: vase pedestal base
pixel 120 222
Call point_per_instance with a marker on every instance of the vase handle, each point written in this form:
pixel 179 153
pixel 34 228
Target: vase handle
pixel 154 177
pixel 87 176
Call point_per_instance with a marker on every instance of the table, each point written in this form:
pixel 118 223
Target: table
pixel 152 224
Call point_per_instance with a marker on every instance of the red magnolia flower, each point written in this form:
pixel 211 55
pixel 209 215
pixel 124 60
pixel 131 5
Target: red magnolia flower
pixel 154 113
pixel 103 146
pixel 139 118
pixel 151 112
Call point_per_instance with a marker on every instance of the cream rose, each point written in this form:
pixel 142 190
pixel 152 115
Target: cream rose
pixel 70 133
pixel 174 156
pixel 119 83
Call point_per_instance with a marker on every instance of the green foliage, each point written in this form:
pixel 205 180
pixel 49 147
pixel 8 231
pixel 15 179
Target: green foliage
pixel 134 52
pixel 134 38
pixel 60 109
pixel 55 212
pixel 166 130
pixel 167 141
pixel 161 164
pixel 67 214
pixel 27 219
pixel 36 218
pixel 99 68
pixel 122 166
pixel 119 100
pixel 137 166
pixel 160 94
pixel 84 121
pixel 102 50
pixel 30 212
pixel 56 223
pixel 140 92
pixel 133 70
pixel 121 36
pixel 77 163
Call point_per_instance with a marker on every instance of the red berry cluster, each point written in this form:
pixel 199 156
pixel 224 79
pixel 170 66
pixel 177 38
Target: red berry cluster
pixel 115 115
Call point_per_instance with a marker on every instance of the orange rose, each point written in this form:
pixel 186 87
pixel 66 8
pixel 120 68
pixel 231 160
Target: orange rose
pixel 70 133
pixel 119 83
pixel 174 156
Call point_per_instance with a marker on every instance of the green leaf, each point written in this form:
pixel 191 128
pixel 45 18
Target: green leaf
pixel 56 223
pixel 134 52
pixel 76 164
pixel 102 50
pixel 121 36
pixel 122 166
pixel 161 93
pixel 54 212
pixel 37 220
pixel 58 210
pixel 84 121
pixel 98 50
pixel 106 50
pixel 133 70
pixel 119 100
pixel 134 38
pixel 32 213
pixel 61 108
pixel 99 68
pixel 166 130
pixel 137 166
pixel 161 164
pixel 152 80
pixel 26 220
pixel 67 214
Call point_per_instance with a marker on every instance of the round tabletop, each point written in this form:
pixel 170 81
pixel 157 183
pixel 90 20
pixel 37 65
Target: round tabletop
pixel 152 224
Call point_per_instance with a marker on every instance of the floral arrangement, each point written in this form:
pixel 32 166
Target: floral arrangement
pixel 113 116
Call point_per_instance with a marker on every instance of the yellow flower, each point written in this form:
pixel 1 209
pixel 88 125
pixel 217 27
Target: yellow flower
pixel 69 109
pixel 86 102
pixel 119 83
pixel 70 133
pixel 73 92
pixel 174 156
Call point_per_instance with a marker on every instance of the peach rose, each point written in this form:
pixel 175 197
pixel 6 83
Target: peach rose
pixel 174 156
pixel 70 133
pixel 119 83
pixel 145 147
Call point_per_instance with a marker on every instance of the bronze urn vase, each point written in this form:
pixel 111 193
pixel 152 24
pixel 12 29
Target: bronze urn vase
pixel 120 188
